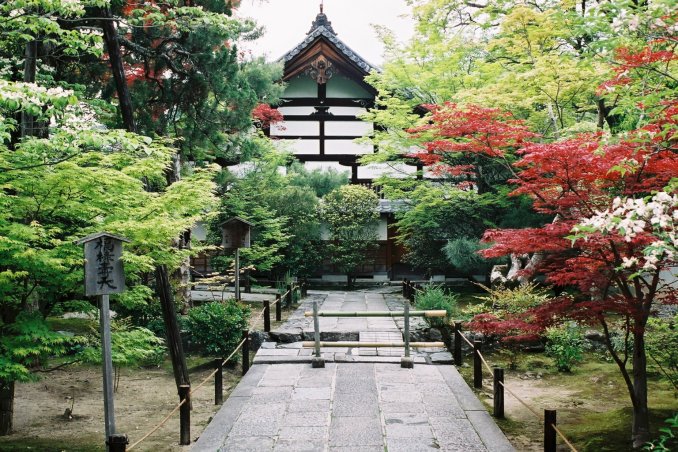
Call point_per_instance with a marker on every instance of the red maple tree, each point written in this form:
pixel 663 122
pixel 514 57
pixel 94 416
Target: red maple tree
pixel 570 181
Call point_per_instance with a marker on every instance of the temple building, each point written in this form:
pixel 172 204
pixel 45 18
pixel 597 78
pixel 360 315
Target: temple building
pixel 324 95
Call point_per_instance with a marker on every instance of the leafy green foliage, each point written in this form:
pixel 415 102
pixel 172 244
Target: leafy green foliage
pixel 350 213
pixel 512 300
pixel 26 343
pixel 462 253
pixel 320 181
pixel 436 298
pixel 130 346
pixel 432 215
pixel 566 345
pixel 668 437
pixel 217 327
pixel 661 344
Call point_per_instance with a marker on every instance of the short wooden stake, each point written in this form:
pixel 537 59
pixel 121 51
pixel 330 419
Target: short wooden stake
pixel 407 362
pixel 278 308
pixel 318 362
pixel 219 382
pixel 267 316
pixel 185 415
pixel 457 343
pixel 549 431
pixel 498 398
pixel 117 443
pixel 477 365
pixel 245 351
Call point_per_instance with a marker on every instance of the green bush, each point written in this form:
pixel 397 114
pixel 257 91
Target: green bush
pixel 668 437
pixel 216 327
pixel 565 345
pixel 436 298
pixel 661 345
pixel 512 300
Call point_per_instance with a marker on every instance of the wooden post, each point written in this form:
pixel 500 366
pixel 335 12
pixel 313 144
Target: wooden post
pixel 218 382
pixel 248 282
pixel 457 343
pixel 278 308
pixel 107 363
pixel 117 443
pixel 317 362
pixel 267 316
pixel 407 362
pixel 549 431
pixel 404 288
pixel 185 415
pixel 498 398
pixel 411 292
pixel 477 365
pixel 289 298
pixel 237 274
pixel 245 351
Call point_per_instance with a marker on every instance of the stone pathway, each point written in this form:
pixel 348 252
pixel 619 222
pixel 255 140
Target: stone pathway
pixel 362 401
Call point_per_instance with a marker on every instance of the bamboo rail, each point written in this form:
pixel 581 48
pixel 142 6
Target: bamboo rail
pixel 431 313
pixel 354 344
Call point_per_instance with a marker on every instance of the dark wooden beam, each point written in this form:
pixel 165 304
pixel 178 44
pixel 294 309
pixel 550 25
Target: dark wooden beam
pixel 315 137
pixel 342 159
pixel 327 118
pixel 362 102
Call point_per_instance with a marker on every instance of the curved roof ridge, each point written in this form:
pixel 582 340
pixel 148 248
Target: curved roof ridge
pixel 329 34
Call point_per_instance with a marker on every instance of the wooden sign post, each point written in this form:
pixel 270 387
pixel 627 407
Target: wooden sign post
pixel 104 275
pixel 236 234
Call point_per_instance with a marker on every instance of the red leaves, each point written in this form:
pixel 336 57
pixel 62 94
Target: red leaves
pixel 472 129
pixel 264 115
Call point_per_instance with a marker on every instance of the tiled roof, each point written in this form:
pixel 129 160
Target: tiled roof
pixel 328 33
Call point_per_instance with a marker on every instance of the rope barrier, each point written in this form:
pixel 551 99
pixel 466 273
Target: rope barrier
pixel 158 426
pixel 482 358
pixel 563 437
pixel 205 380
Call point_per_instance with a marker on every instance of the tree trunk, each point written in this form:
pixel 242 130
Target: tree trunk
pixel 30 69
pixel 641 419
pixel 176 349
pixel 6 407
pixel 115 57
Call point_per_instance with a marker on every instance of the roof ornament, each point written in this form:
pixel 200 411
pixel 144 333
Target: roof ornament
pixel 321 21
pixel 320 70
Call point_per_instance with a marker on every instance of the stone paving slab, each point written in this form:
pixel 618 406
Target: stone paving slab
pixel 352 407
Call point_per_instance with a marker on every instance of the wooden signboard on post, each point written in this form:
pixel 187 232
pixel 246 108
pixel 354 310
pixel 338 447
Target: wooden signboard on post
pixel 104 273
pixel 236 233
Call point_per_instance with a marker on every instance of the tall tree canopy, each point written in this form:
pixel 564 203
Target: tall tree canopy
pixel 574 106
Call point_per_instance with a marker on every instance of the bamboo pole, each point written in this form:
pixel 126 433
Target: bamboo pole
pixel 433 313
pixel 349 344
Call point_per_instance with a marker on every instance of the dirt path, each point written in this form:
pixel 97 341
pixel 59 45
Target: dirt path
pixel 143 399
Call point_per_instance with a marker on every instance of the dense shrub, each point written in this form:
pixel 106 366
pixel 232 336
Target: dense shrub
pixel 511 300
pixel 661 344
pixel 216 327
pixel 668 437
pixel 566 345
pixel 436 298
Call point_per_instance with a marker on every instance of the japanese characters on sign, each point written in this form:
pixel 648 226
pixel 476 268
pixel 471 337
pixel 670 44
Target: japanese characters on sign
pixel 103 268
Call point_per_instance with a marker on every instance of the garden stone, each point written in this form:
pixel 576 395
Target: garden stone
pixel 257 338
pixel 435 335
pixel 595 336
